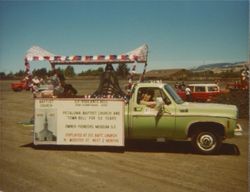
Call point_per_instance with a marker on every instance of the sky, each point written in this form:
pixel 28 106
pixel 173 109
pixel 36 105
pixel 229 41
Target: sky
pixel 179 34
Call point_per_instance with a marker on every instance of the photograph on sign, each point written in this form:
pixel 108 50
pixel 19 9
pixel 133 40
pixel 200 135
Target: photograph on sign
pixel 45 126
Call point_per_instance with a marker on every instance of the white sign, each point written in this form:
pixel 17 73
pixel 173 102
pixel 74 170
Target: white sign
pixel 79 122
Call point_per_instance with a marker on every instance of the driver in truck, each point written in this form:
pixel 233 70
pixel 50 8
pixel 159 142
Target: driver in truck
pixel 147 98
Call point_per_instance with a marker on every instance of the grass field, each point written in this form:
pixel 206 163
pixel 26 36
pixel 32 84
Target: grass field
pixel 140 166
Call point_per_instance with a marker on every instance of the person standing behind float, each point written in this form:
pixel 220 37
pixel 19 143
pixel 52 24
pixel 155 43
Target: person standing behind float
pixel 57 87
pixel 35 84
pixel 188 94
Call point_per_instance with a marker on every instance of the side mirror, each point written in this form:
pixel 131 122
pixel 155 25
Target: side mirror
pixel 159 107
pixel 159 103
pixel 167 101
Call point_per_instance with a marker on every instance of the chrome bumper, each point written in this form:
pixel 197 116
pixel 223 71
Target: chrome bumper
pixel 238 130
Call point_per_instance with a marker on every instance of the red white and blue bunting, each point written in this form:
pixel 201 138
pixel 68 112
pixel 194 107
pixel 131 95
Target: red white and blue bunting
pixel 77 59
pixel 135 56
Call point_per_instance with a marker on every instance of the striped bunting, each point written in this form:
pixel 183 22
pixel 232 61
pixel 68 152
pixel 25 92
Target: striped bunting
pixel 87 59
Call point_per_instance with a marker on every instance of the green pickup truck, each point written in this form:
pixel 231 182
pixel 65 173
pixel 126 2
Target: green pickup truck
pixel 168 117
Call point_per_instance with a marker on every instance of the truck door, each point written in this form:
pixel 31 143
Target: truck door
pixel 145 120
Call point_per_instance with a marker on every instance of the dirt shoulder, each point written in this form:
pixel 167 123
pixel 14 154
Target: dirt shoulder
pixel 141 166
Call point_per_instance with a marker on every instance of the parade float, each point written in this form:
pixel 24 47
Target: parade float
pixel 109 116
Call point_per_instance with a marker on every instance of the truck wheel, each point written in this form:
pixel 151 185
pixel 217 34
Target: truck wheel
pixel 206 142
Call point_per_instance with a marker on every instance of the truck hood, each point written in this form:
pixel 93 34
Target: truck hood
pixel 208 109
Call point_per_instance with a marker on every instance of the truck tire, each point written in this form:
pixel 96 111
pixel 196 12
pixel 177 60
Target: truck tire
pixel 206 142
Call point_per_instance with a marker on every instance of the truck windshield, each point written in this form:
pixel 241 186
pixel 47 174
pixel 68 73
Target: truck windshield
pixel 173 94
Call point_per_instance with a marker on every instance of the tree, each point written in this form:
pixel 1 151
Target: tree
pixel 40 72
pixel 20 73
pixel 10 75
pixel 69 71
pixel 58 70
pixel 122 70
pixel 97 71
pixel 2 75
pixel 100 70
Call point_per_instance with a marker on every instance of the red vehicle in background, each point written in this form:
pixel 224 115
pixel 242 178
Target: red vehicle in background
pixel 201 92
pixel 243 83
pixel 19 86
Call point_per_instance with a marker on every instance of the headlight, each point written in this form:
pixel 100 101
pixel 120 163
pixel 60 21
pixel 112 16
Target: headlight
pixel 238 130
pixel 237 113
